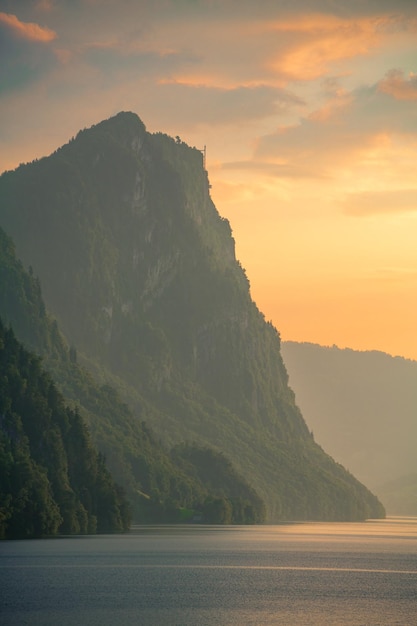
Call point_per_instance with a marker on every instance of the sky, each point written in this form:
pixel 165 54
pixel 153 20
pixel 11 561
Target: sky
pixel 308 110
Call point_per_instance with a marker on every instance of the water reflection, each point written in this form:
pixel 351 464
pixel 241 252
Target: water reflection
pixel 395 528
pixel 301 573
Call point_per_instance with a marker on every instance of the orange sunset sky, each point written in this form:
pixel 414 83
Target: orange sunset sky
pixel 308 110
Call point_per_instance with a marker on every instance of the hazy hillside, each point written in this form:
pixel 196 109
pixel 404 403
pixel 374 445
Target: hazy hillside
pixel 139 269
pixel 160 486
pixel 362 407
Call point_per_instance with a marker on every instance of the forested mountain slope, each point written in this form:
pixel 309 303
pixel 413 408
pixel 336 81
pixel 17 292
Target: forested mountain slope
pixel 160 486
pixel 362 407
pixel 51 478
pixel 139 269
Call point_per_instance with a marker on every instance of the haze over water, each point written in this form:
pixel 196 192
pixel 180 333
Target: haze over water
pixel 301 573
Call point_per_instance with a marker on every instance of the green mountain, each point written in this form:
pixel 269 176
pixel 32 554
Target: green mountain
pixel 362 408
pixel 51 478
pixel 140 271
pixel 160 486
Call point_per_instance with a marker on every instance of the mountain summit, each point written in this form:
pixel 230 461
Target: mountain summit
pixel 140 271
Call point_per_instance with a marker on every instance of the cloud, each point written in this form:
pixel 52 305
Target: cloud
pixel 117 62
pixel 397 85
pixel 277 48
pixel 375 202
pixel 184 64
pixel 237 192
pixel 27 30
pixel 311 44
pixel 25 50
pixel 201 105
pixel 45 5
pixel 243 49
pixel 268 169
pixel 352 134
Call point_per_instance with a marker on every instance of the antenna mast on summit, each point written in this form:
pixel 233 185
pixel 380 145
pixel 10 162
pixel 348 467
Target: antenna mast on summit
pixel 204 156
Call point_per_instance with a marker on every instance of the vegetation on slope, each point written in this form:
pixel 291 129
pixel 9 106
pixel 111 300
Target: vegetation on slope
pixel 159 488
pixel 51 478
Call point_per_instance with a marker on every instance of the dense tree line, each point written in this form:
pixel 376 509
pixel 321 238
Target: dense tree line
pixel 52 480
pixel 235 501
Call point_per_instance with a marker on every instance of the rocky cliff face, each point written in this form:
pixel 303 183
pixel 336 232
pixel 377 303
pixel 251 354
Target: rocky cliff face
pixel 140 270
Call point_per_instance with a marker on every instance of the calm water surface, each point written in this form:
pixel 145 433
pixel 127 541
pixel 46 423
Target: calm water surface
pixel 311 573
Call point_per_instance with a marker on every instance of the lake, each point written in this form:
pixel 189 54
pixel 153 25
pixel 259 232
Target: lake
pixel 300 573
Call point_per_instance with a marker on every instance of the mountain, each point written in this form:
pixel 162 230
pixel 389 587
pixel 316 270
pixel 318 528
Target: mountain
pixel 362 409
pixel 51 478
pixel 140 272
pixel 161 486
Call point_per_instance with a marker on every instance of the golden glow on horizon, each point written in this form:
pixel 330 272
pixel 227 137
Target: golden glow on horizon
pixel 316 277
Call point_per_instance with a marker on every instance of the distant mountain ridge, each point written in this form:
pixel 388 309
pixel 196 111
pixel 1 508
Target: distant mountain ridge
pixel 139 270
pixel 362 407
